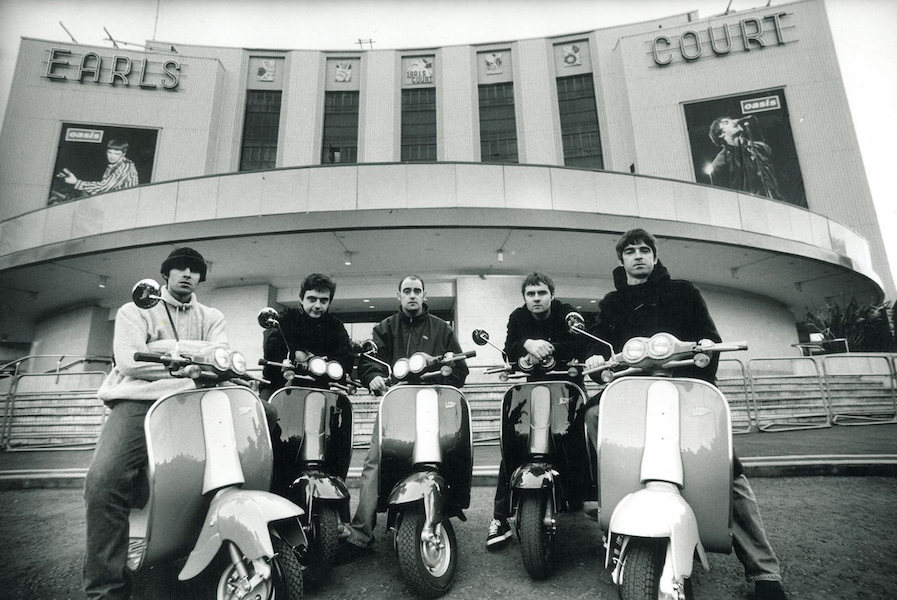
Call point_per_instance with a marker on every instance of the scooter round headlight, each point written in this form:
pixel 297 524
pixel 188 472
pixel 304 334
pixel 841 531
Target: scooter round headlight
pixel 401 369
pixel 317 366
pixel 660 346
pixel 238 363
pixel 417 363
pixel 634 350
pixel 221 358
pixel 334 370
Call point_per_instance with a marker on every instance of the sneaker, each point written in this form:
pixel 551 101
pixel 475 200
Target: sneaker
pixel 499 534
pixel 769 590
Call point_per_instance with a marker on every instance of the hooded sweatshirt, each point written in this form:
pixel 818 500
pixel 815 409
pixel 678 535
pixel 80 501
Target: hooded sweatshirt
pixel 659 304
pixel 149 330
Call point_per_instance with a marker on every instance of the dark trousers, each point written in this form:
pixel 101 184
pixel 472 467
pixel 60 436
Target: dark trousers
pixel 501 509
pixel 109 493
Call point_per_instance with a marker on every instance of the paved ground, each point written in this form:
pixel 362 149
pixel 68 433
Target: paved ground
pixel 836 538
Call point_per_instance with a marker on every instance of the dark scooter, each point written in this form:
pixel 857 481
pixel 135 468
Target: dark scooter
pixel 544 449
pixel 426 467
pixel 313 437
pixel 208 475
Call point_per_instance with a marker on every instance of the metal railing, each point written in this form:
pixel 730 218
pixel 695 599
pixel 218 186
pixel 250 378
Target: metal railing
pixel 59 408
pixel 49 400
pixel 861 388
pixel 788 394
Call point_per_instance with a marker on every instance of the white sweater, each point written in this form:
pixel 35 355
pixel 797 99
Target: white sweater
pixel 149 330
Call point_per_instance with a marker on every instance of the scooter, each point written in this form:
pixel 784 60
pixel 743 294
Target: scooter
pixel 313 438
pixel 426 467
pixel 544 448
pixel 208 475
pixel 665 465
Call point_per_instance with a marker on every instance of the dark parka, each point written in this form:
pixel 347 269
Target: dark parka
pixel 660 304
pixel 522 326
pixel 324 336
pixel 400 336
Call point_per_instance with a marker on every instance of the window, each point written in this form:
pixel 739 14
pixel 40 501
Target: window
pixel 340 144
pixel 498 125
pixel 260 130
pixel 418 124
pixel 579 122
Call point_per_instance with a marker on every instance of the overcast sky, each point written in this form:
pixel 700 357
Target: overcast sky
pixel 865 34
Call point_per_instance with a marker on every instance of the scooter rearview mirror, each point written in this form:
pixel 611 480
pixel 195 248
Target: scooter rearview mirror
pixel 369 347
pixel 575 321
pixel 480 337
pixel 268 318
pixel 146 293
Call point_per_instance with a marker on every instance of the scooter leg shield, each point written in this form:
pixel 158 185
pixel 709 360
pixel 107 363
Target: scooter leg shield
pixel 660 513
pixel 241 516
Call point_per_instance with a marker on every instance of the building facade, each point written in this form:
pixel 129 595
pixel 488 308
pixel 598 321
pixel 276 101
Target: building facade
pixel 729 137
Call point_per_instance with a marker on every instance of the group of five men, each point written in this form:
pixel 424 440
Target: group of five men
pixel 646 301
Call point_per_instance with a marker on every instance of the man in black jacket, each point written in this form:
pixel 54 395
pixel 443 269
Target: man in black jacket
pixel 309 331
pixel 538 329
pixel 412 329
pixel 647 301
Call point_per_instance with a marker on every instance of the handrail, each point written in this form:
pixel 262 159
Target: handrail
pixel 78 359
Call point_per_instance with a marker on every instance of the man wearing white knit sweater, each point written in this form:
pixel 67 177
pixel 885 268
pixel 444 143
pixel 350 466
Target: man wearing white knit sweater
pixel 129 390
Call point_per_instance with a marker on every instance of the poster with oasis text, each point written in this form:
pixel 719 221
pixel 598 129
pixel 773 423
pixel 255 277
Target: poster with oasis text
pixel 744 143
pixel 94 159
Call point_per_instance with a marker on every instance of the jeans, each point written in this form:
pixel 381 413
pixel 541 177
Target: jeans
pixel 365 518
pixel 748 535
pixel 501 508
pixel 109 493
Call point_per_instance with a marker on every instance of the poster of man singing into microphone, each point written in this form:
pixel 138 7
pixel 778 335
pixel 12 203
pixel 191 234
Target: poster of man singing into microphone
pixel 745 143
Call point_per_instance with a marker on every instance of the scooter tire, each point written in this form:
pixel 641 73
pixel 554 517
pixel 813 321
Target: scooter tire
pixel 536 542
pixel 429 571
pixel 642 568
pixel 286 575
pixel 324 543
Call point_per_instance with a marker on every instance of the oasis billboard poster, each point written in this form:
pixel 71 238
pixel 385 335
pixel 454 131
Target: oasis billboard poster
pixel 92 159
pixel 744 143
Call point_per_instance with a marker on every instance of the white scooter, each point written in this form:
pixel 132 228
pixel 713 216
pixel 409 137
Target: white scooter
pixel 664 465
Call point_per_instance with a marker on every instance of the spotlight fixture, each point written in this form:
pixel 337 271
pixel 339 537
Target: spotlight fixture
pixel 348 259
pixel 501 255
pixel 103 281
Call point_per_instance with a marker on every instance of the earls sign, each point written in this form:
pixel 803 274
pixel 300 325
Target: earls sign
pixel 118 69
pixel 752 33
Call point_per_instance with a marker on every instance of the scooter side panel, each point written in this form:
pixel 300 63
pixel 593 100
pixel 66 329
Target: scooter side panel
pixel 398 410
pixel 568 452
pixel 176 450
pixel 706 450
pixel 290 405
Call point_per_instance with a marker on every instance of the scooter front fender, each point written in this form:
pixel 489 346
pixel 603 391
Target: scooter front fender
pixel 242 517
pixel 660 513
pixel 428 486
pixel 311 487
pixel 533 476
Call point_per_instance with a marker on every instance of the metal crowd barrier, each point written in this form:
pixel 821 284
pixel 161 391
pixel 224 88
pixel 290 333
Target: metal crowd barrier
pixel 789 394
pixel 53 410
pixel 734 382
pixel 861 388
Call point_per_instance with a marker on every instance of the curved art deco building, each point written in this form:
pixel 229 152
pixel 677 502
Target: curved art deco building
pixel 728 137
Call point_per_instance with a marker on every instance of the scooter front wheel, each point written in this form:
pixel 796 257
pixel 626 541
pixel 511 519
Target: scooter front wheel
pixel 642 568
pixel 536 541
pixel 324 543
pixel 285 582
pixel 429 565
